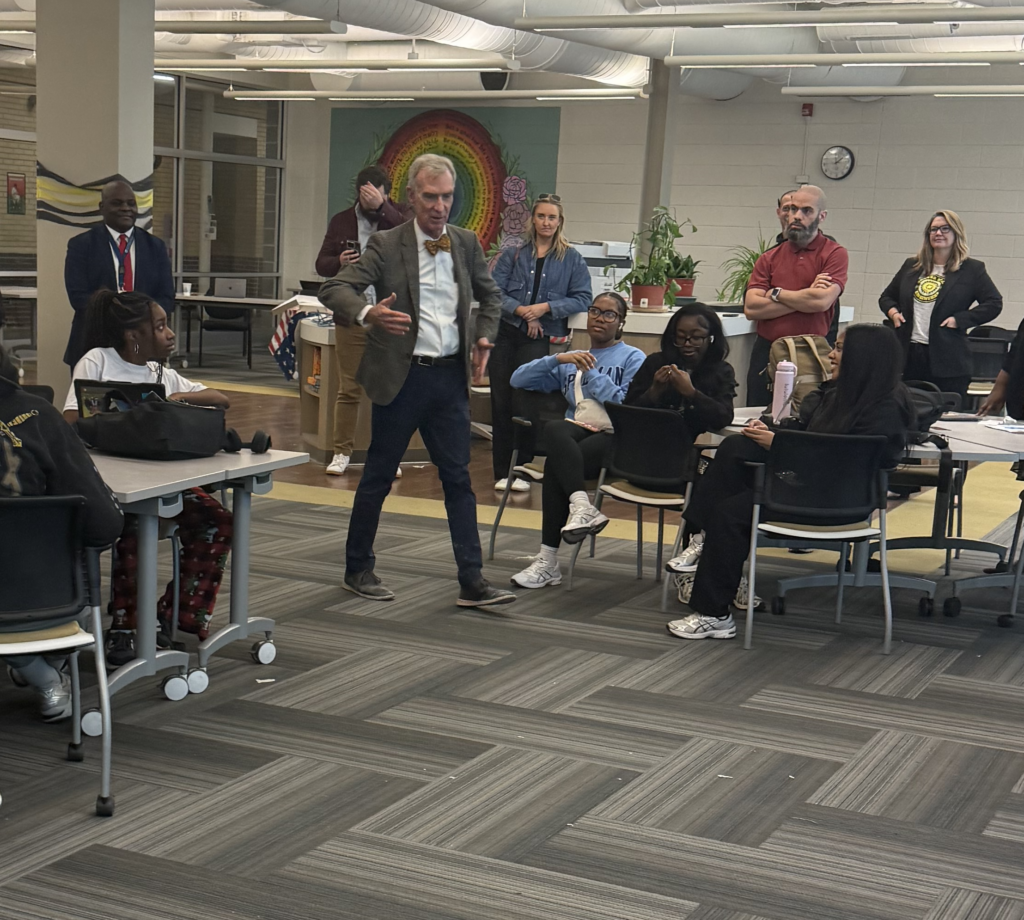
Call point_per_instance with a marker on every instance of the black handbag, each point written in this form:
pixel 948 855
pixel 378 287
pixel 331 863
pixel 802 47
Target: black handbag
pixel 157 430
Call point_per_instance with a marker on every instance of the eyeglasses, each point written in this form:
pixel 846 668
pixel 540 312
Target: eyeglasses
pixel 941 231
pixel 696 340
pixel 609 316
pixel 554 199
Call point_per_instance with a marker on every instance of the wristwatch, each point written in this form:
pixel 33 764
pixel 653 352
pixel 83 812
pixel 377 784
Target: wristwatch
pixel 774 293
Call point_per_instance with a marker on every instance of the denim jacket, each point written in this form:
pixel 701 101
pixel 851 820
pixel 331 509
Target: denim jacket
pixel 564 285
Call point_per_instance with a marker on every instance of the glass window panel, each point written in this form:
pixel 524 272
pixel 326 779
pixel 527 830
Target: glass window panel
pixel 163 202
pixel 18 158
pixel 220 125
pixel 165 113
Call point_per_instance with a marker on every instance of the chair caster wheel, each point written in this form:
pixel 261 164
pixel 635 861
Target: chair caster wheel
pixel 198 680
pixel 1005 620
pixel 105 806
pixel 951 607
pixel 76 752
pixel 92 723
pixel 175 687
pixel 925 607
pixel 264 651
pixel 16 677
pixel 779 606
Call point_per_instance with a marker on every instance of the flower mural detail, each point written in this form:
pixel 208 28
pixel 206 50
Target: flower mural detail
pixel 514 219
pixel 513 189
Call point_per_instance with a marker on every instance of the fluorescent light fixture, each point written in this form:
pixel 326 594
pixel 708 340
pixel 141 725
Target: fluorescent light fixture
pixel 582 98
pixel 445 69
pixel 745 66
pixel 925 64
pixel 976 95
pixel 163 78
pixel 275 98
pixel 798 25
pixel 10 30
pixel 209 69
pixel 316 70
pixel 371 99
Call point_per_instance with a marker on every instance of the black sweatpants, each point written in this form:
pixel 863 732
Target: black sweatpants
pixel 574 455
pixel 919 367
pixel 722 503
pixel 512 349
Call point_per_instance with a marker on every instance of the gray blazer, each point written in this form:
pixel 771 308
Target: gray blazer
pixel 390 263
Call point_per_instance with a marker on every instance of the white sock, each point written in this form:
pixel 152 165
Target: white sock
pixel 549 555
pixel 579 498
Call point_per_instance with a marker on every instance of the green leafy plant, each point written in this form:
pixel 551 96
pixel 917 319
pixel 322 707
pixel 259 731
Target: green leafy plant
pixel 683 266
pixel 654 252
pixel 738 268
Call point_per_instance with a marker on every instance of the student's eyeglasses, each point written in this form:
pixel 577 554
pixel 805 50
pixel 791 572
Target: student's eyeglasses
pixel 940 231
pixel 610 316
pixel 554 199
pixel 695 340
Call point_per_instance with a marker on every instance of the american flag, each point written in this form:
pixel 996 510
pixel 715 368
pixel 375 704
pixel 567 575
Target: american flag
pixel 282 343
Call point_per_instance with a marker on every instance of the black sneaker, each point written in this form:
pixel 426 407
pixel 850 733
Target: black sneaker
pixel 483 594
pixel 367 585
pixel 119 647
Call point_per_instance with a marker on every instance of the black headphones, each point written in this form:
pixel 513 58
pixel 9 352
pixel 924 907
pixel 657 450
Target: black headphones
pixel 259 444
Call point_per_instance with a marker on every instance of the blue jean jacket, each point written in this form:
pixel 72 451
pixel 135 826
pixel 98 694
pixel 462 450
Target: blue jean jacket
pixel 564 285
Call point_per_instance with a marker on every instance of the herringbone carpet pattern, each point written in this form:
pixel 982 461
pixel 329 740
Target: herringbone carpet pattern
pixel 567 760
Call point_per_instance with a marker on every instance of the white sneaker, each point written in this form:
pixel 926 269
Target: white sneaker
pixel 696 626
pixel 740 600
pixel 338 465
pixel 398 473
pixel 684 587
pixel 55 702
pixel 687 560
pixel 584 520
pixel 518 485
pixel 538 574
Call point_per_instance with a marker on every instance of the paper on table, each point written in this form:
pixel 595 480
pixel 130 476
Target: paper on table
pixel 1004 424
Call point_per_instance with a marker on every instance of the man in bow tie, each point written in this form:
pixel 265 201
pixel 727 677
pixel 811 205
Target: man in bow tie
pixel 422 350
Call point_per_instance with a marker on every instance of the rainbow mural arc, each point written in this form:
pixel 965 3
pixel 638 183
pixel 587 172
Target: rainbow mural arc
pixel 478 163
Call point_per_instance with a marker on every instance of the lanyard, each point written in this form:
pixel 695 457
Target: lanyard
pixel 121 256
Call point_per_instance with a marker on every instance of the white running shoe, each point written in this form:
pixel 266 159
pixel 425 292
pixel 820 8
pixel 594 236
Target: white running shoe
pixel 398 473
pixel 740 600
pixel 338 465
pixel 684 587
pixel 538 574
pixel 696 626
pixel 584 520
pixel 55 701
pixel 687 560
pixel 518 485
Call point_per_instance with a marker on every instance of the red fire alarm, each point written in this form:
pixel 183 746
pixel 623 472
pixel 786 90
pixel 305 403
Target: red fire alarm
pixel 807 109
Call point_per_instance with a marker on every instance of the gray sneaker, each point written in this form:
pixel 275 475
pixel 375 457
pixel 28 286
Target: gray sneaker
pixel 55 701
pixel 584 520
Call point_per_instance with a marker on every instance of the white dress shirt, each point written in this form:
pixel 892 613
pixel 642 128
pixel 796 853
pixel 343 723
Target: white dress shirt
pixel 439 301
pixel 129 256
pixel 366 228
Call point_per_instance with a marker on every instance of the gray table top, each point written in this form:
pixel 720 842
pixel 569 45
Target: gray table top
pixel 1011 442
pixel 138 480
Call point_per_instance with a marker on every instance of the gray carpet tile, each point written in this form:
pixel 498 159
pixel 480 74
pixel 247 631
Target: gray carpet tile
pixel 561 759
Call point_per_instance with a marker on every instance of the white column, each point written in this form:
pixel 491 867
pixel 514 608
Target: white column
pixel 656 186
pixel 94 118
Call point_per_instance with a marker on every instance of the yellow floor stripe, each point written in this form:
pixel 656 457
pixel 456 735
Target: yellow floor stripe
pixel 231 387
pixel 990 496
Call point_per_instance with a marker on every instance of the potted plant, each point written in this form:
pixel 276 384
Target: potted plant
pixel 653 250
pixel 683 271
pixel 739 267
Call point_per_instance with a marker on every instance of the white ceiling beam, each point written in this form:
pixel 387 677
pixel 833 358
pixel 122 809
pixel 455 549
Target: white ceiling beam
pixel 828 59
pixel 216 26
pixel 400 95
pixel 350 65
pixel 956 90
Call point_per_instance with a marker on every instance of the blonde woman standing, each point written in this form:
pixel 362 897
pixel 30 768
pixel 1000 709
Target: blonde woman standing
pixel 543 281
pixel 934 299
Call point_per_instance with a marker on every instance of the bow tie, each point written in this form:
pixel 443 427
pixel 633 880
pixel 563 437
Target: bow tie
pixel 433 246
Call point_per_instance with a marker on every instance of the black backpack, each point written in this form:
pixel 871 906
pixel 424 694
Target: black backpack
pixel 929 404
pixel 157 430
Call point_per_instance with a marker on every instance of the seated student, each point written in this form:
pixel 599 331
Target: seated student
pixel 690 373
pixel 127 339
pixel 575 453
pixel 1008 390
pixel 40 455
pixel 867 398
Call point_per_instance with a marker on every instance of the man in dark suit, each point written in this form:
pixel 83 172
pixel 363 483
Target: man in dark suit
pixel 116 255
pixel 422 350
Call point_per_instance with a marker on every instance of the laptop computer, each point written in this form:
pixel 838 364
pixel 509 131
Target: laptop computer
pixel 229 287
pixel 98 396
pixel 310 287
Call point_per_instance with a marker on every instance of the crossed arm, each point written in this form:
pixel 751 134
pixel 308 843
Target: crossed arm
pixel 817 298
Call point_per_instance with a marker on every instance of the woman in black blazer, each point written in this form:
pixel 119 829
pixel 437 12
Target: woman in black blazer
pixel 929 303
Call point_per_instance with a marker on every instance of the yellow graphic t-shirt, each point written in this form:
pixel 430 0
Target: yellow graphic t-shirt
pixel 925 294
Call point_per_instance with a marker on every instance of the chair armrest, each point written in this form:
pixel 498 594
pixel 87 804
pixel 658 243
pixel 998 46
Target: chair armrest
pixel 524 422
pixel 883 489
pixel 92 575
pixel 522 426
pixel 759 473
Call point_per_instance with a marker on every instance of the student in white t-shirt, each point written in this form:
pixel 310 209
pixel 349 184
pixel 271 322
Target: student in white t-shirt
pixel 128 340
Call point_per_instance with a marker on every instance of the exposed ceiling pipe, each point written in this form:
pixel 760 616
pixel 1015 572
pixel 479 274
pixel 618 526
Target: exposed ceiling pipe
pixel 536 52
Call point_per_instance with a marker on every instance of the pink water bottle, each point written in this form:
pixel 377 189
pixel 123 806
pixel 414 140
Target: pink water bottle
pixel 782 390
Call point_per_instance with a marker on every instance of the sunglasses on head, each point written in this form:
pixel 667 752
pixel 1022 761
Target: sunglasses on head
pixel 555 199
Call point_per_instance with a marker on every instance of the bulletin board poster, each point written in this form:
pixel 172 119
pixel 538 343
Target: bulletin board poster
pixel 504 158
pixel 15 193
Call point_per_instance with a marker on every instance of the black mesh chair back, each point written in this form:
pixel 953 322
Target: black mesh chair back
pixel 987 356
pixel 40 390
pixel 41 559
pixel 237 316
pixel 651 447
pixel 992 332
pixel 815 478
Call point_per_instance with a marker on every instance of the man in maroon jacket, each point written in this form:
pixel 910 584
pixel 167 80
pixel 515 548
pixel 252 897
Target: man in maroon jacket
pixel 346 237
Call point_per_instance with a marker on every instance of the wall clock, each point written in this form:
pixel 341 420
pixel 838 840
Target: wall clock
pixel 837 162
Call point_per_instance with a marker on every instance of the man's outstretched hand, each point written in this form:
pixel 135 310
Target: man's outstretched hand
pixel 394 321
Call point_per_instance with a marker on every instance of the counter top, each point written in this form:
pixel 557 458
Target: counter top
pixel 733 323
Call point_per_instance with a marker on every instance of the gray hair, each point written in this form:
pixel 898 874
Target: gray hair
pixel 431 163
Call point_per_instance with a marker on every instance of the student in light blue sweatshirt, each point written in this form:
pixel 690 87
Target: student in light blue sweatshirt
pixel 575 453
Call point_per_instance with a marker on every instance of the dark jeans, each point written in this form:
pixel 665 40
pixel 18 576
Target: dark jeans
pixel 434 400
pixel 722 503
pixel 919 367
pixel 574 455
pixel 512 350
pixel 758 393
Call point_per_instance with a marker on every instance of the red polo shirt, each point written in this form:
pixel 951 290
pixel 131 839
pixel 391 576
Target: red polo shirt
pixel 794 269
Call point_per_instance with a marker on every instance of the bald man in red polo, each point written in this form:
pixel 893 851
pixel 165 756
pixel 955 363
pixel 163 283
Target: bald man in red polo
pixel 794 287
